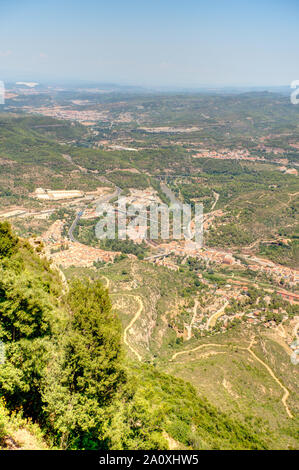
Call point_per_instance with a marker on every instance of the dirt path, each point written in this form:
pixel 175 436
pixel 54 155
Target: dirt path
pixel 107 281
pixel 216 195
pixel 259 240
pixel 212 320
pixel 295 330
pixel 194 349
pixel 291 195
pixel 189 327
pixel 136 316
pixel 249 247
pixel 286 392
pixel 281 330
pixel 286 204
pixel 65 286
pixel 278 336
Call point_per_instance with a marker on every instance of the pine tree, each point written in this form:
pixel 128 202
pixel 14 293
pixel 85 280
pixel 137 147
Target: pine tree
pixel 8 240
pixel 87 372
pixel 93 351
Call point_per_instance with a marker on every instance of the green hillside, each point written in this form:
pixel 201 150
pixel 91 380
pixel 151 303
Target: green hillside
pixel 219 366
pixel 64 370
pixel 32 154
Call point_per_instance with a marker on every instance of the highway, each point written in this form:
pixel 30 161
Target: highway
pixel 102 200
pixel 73 226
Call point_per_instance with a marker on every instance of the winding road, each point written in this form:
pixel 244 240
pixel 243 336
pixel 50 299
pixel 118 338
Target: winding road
pixel 189 327
pixel 134 319
pixel 102 200
pixel 216 195
pixel 107 281
pixel 73 226
pixel 285 390
pixel 194 349
pixel 213 318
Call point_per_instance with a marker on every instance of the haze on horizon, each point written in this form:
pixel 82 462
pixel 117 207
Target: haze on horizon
pixel 158 43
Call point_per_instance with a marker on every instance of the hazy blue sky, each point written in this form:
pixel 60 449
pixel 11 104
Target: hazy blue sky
pixel 151 42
